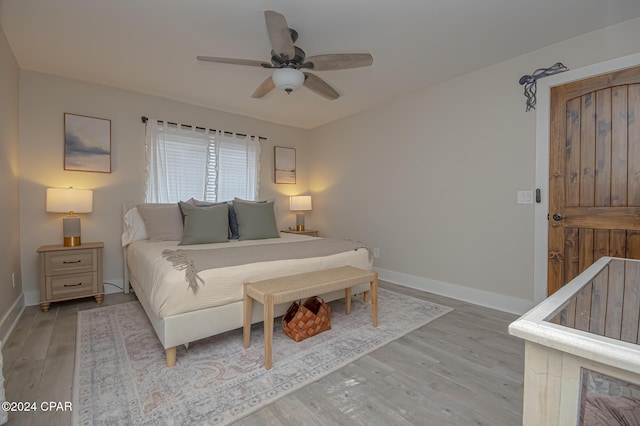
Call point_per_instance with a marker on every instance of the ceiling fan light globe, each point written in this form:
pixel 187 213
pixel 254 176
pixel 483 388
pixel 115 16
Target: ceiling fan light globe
pixel 288 79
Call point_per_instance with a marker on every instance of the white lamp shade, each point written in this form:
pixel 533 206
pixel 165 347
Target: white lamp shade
pixel 287 79
pixel 300 203
pixel 66 200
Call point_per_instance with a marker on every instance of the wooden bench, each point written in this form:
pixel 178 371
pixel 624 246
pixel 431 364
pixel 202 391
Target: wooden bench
pixel 294 287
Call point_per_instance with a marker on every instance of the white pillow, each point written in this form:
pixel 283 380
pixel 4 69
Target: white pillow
pixel 134 228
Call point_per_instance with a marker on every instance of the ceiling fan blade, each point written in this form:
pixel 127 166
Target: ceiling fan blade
pixel 264 88
pixel 233 61
pixel 319 86
pixel 279 34
pixel 338 61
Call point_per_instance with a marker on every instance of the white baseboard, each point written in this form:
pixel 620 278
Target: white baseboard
pixel 10 319
pixel 497 301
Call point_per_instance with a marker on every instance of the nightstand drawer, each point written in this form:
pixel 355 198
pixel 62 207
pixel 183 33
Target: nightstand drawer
pixel 69 262
pixel 74 285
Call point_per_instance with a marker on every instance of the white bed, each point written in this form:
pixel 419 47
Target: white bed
pixel 179 316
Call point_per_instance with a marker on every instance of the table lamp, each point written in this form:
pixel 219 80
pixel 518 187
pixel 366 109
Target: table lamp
pixel 70 200
pixel 300 203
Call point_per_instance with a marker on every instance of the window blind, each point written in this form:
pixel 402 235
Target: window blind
pixel 187 162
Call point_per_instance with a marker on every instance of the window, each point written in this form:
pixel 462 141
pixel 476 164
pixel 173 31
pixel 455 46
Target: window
pixel 185 162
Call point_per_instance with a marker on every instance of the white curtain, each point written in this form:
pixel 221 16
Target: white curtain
pixel 185 162
pixel 238 166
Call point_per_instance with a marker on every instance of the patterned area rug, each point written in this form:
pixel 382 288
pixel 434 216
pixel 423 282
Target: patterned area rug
pixel 121 376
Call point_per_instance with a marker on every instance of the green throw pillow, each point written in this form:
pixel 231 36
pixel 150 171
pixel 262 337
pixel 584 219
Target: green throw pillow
pixel 203 225
pixel 256 221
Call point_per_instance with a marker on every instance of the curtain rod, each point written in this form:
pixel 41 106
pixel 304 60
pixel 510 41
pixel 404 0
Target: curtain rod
pixel 145 119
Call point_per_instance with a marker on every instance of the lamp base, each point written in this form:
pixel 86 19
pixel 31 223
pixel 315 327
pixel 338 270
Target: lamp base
pixel 71 241
pixel 299 221
pixel 71 231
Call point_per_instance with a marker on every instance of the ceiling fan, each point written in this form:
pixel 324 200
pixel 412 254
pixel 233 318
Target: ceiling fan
pixel 287 61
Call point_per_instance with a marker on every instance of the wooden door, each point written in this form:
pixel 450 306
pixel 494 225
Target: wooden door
pixel 594 173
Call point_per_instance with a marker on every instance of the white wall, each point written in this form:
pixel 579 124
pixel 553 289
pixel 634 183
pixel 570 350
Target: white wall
pixel 10 296
pixel 43 101
pixel 431 179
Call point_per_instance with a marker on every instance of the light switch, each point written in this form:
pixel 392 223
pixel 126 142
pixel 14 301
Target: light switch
pixel 525 197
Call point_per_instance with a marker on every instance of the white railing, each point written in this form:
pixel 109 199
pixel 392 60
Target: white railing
pixel 590 324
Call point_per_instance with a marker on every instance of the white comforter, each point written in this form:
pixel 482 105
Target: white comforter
pixel 169 293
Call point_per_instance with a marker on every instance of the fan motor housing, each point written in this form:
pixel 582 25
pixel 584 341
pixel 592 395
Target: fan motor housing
pixel 297 60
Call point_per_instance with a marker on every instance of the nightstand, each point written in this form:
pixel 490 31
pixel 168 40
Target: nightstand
pixel 310 232
pixel 70 273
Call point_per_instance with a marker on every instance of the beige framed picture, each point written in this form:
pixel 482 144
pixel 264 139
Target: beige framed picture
pixel 87 143
pixel 284 164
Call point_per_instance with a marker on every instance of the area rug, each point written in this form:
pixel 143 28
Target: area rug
pixel 121 376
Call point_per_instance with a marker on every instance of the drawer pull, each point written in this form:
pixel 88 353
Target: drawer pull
pixel 72 285
pixel 71 261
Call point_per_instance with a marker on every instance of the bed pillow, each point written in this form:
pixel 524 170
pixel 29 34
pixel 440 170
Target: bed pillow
pixel 200 203
pixel 203 225
pixel 233 221
pixel 134 228
pixel 163 222
pixel 256 220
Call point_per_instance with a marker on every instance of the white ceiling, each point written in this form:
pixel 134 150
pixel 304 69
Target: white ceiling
pixel 150 46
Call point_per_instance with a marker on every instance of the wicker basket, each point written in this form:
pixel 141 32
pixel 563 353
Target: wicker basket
pixel 313 317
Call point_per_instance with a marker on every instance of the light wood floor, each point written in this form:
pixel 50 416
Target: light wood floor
pixel 461 369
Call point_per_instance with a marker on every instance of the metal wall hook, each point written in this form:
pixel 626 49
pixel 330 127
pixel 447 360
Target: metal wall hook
pixel 529 81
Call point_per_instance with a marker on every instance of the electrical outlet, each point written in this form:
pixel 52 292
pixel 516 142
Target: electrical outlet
pixel 13 279
pixel 376 253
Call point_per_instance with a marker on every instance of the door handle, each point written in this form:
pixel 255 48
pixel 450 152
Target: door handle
pixel 557 217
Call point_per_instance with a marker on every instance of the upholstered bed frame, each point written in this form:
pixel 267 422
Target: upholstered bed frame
pixel 181 329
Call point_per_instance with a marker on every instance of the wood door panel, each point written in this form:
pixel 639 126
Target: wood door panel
pixel 583 308
pixel 599 303
pixel 630 302
pixel 633 148
pixel 588 85
pixel 602 196
pixel 601 240
pixel 618 243
pixel 614 300
pixel 633 245
pixel 573 150
pixel 587 150
pixel 602 217
pixel 585 252
pixel 594 173
pixel 572 254
pixel 619 146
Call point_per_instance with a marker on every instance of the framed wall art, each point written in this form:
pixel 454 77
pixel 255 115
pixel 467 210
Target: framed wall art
pixel 87 143
pixel 284 164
